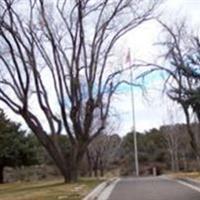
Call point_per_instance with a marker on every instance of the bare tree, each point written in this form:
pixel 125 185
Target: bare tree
pixel 172 137
pixel 55 69
pixel 177 142
pixel 181 53
pixel 101 152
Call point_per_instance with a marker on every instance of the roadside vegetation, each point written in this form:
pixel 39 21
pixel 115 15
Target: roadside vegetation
pixel 182 175
pixel 47 190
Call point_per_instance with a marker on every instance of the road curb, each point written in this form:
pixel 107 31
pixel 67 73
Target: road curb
pixel 95 193
pixel 185 179
pixel 196 183
pixel 191 183
pixel 188 182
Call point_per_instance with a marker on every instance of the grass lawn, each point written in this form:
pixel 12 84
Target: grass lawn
pixel 47 190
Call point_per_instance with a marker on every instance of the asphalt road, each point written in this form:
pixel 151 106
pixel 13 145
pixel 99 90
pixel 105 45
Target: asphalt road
pixel 154 188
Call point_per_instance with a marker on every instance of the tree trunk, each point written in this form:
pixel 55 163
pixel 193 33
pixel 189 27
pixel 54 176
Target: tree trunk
pixel 72 176
pixel 172 160
pixel 102 171
pixel 95 171
pixel 72 172
pixel 74 160
pixel 90 171
pixel 185 166
pixel 89 162
pixel 176 161
pixel 68 165
pixel 101 168
pixel 52 148
pixel 1 175
pixel 198 162
pixel 61 162
pixel 190 132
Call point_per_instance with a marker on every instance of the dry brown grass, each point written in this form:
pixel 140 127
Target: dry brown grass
pixel 192 175
pixel 47 190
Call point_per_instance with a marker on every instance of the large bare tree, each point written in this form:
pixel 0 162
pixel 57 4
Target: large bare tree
pixel 55 67
pixel 181 71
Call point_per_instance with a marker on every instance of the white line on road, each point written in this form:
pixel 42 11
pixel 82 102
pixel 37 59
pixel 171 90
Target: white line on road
pixel 189 185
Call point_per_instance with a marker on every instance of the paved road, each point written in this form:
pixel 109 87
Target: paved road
pixel 155 188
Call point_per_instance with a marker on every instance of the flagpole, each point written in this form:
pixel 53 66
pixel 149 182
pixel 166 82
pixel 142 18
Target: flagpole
pixel 133 119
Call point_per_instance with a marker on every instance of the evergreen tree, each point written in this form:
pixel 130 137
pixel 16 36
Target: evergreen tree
pixel 16 148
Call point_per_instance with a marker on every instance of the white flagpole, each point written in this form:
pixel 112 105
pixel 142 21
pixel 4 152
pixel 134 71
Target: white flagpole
pixel 133 119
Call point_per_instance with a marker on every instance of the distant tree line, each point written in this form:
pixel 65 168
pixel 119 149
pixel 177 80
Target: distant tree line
pixel 167 148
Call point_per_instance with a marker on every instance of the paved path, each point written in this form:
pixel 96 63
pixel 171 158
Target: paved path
pixel 154 188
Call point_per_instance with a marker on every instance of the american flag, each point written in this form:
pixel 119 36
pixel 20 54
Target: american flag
pixel 128 56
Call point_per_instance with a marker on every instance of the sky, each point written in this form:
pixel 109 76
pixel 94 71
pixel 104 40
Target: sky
pixel 152 108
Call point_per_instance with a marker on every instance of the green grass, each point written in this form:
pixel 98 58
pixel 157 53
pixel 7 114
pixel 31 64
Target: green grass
pixel 47 190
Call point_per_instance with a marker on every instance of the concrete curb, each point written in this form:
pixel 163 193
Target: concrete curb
pixel 190 181
pixel 190 184
pixel 186 179
pixel 95 193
